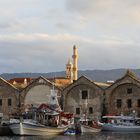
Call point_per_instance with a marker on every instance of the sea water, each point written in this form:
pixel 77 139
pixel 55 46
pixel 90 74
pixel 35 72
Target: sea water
pixel 87 136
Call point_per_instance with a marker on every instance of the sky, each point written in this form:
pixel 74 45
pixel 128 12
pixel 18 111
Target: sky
pixel 38 35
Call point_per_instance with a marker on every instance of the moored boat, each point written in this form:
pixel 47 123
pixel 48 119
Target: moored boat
pixel 4 128
pixel 86 128
pixel 46 121
pixel 88 125
pixel 121 124
pixel 30 127
pixel 70 131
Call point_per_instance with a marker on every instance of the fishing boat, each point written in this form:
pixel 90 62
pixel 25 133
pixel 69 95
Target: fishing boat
pixel 86 128
pixel 121 124
pixel 30 127
pixel 48 122
pixel 88 125
pixel 48 125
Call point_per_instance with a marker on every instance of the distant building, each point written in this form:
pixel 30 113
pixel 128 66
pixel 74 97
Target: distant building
pixel 72 67
pixel 20 82
pixel 60 82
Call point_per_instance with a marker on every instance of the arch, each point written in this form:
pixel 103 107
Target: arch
pixel 120 92
pixel 73 99
pixel 74 87
pixel 38 94
pixel 119 86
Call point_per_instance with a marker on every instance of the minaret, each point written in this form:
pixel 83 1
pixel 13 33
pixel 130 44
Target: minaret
pixel 69 71
pixel 75 59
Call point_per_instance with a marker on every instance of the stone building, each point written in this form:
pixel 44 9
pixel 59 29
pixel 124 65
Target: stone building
pixel 9 96
pixel 38 92
pixel 83 97
pixel 124 95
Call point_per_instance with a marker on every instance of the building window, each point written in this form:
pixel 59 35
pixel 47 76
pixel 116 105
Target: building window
pixel 84 94
pixel 129 103
pixel 138 102
pixel 119 103
pixel 0 102
pixel 9 102
pixel 129 90
pixel 77 110
pixel 90 110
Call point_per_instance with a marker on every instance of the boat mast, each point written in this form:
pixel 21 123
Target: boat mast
pixel 53 97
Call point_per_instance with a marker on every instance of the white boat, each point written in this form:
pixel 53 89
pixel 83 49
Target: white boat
pixel 30 127
pixel 121 124
pixel 88 125
pixel 33 127
pixel 86 128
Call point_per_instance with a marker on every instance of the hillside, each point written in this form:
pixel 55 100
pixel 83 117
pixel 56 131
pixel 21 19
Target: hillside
pixel 96 75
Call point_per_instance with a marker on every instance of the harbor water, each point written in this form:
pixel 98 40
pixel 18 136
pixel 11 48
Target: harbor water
pixel 87 136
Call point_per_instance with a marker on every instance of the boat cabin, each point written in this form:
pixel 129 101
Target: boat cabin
pixel 121 120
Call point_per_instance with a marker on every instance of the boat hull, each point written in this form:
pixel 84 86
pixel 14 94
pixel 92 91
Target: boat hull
pixel 85 128
pixel 29 129
pixel 70 131
pixel 5 130
pixel 120 128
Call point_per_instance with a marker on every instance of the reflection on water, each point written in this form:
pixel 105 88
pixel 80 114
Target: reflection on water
pixel 89 136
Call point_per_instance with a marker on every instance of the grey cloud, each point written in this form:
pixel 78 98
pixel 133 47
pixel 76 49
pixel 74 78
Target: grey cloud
pixel 103 10
pixel 107 57
pixel 14 25
pixel 80 5
pixel 93 6
pixel 106 31
pixel 5 25
pixel 52 55
pixel 33 56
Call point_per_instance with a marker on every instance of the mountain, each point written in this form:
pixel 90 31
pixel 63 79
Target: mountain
pixel 95 75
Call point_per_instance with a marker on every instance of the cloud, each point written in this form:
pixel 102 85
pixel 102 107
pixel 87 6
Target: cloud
pixel 37 36
pixel 45 52
pixel 21 37
pixel 113 10
pixel 34 52
pixel 103 56
pixel 44 37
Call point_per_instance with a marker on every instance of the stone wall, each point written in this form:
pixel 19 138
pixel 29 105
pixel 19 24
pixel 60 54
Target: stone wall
pixel 119 90
pixel 8 92
pixel 73 98
pixel 38 92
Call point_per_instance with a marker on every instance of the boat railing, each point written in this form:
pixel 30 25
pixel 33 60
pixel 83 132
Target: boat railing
pixel 14 120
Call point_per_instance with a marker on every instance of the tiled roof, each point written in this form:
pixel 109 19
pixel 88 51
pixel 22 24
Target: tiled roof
pixel 60 82
pixel 103 85
pixel 19 80
pixel 20 83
